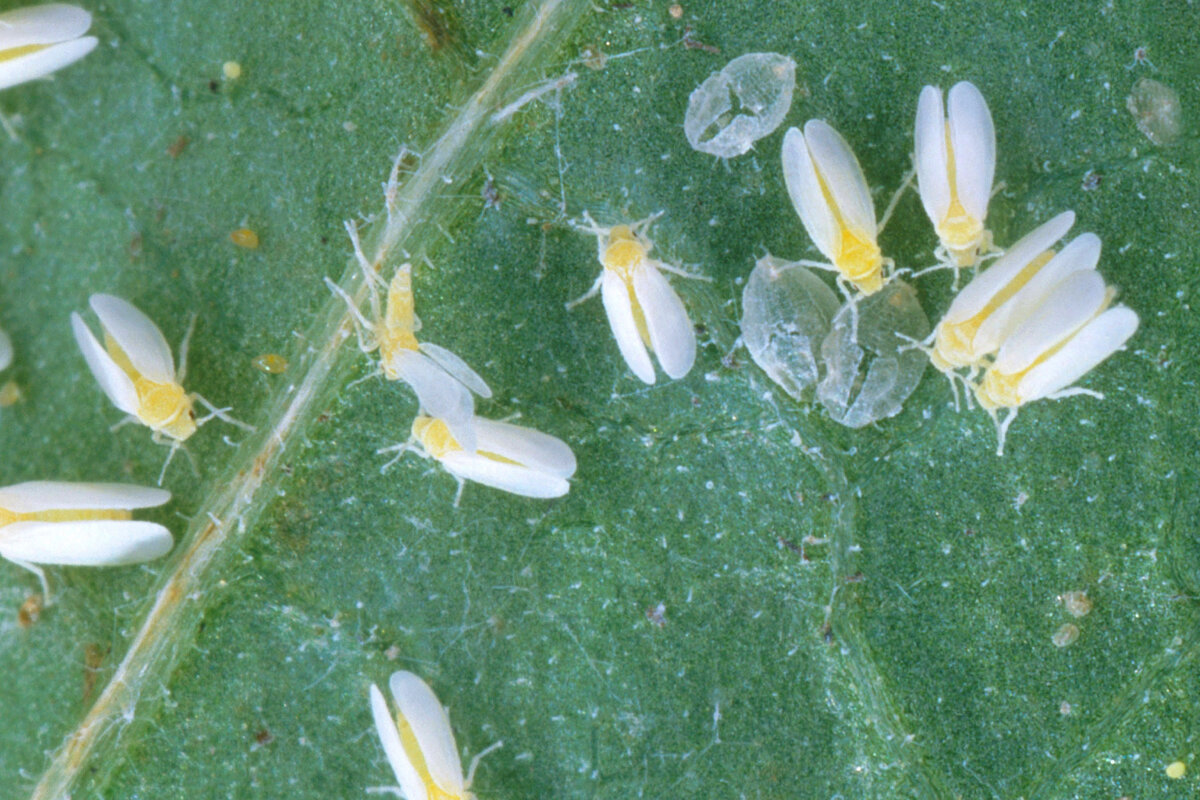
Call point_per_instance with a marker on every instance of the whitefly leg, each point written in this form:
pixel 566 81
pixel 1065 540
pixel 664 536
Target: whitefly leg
pixel 479 757
pixel 181 372
pixel 589 294
pixel 219 413
pixel 41 574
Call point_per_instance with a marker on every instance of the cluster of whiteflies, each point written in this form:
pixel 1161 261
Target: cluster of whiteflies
pixel 471 448
pixel 54 522
pixel 1025 328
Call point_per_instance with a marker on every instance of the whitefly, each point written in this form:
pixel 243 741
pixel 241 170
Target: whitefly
pixel 745 101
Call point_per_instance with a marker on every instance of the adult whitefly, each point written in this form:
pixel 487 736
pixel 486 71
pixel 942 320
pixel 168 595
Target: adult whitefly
pixel 39 40
pixel 955 155
pixel 786 314
pixel 869 371
pixel 740 104
pixel 79 524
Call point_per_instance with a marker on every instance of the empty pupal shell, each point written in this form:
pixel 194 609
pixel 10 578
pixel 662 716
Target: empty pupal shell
pixel 1000 297
pixel 1071 332
pixel 79 524
pixel 830 193
pixel 419 743
pixel 956 163
pixel 39 40
pixel 506 457
pixel 644 312
pixel 135 368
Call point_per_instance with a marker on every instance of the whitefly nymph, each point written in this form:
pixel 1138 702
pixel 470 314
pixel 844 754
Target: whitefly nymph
pixel 419 742
pixel 78 524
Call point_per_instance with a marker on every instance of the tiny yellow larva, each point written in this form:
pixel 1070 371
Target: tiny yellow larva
pixel 232 70
pixel 244 237
pixel 270 363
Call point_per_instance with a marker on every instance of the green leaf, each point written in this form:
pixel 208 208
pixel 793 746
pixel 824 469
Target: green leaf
pixel 739 597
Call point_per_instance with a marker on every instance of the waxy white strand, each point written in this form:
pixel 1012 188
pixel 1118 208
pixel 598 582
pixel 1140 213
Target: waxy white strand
pixel 39 40
pixel 956 163
pixel 79 524
pixel 644 312
pixel 419 742
pixel 830 194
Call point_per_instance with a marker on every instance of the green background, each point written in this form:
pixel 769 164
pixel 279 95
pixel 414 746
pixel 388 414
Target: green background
pixel 903 651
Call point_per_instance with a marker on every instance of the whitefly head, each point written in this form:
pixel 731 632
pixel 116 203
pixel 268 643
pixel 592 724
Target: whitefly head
pixel 39 40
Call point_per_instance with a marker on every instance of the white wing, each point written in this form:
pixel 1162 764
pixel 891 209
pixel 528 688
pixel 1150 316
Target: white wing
pixel 526 446
pixel 88 543
pixel 671 333
pixel 411 784
pixel 974 140
pixel 1068 308
pixel 44 24
pixel 438 394
pixel 113 380
pixel 804 189
pixel 1098 340
pixel 979 292
pixel 1082 253
pixel 929 146
pixel 512 478
pixel 450 361
pixel 619 308
pixel 421 709
pixel 137 335
pixel 35 496
pixel 6 350
pixel 41 63
pixel 837 166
